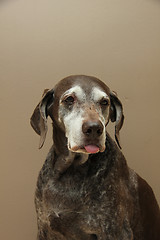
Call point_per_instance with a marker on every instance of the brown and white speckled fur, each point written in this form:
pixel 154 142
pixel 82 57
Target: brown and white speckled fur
pixel 82 196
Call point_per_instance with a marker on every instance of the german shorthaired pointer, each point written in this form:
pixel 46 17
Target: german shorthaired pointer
pixel 85 190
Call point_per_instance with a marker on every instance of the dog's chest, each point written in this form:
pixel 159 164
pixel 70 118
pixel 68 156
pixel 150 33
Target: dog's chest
pixel 85 203
pixel 80 203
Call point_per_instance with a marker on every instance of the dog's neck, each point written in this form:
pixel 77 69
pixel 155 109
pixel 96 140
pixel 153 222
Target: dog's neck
pixel 63 157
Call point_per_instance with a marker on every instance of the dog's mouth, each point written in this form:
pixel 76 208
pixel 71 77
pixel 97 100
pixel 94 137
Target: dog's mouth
pixel 91 148
pixel 88 149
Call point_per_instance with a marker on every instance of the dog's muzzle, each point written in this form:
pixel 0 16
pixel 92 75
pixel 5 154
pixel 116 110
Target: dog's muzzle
pixel 92 131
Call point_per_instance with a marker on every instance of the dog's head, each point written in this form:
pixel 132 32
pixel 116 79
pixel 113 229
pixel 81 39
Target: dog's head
pixel 81 107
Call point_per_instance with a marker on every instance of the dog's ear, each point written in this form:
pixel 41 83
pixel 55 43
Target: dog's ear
pixel 116 115
pixel 39 117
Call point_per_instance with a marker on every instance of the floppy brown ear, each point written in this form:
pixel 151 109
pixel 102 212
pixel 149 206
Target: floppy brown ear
pixel 39 117
pixel 116 115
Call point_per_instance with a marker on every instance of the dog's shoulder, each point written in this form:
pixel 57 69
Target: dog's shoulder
pixel 150 212
pixel 45 173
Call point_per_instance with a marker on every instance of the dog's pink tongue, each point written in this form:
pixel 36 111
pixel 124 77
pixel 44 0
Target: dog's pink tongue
pixel 91 148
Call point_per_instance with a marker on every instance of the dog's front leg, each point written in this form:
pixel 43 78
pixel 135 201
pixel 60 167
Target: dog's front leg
pixel 121 232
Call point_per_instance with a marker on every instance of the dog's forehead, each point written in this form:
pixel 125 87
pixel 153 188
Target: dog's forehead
pixel 82 86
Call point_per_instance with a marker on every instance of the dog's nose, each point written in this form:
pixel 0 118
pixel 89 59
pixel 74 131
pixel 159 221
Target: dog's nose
pixel 92 129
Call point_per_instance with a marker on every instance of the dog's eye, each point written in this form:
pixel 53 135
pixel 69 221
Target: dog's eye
pixel 104 102
pixel 69 100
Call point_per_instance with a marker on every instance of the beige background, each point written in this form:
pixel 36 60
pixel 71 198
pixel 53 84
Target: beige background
pixel 42 41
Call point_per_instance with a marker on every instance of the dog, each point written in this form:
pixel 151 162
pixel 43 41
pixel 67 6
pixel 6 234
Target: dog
pixel 85 190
